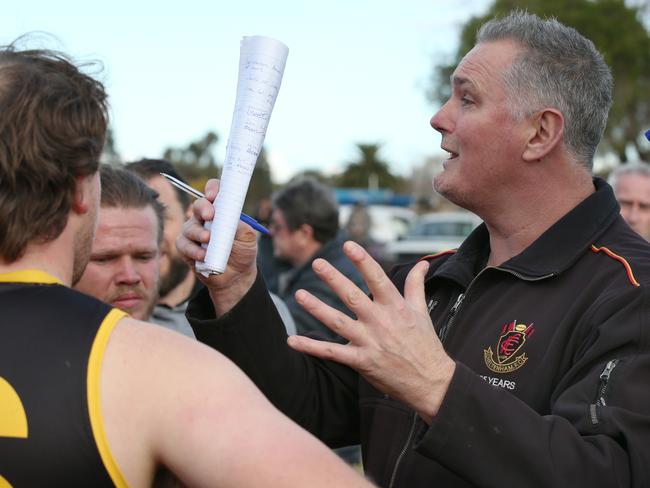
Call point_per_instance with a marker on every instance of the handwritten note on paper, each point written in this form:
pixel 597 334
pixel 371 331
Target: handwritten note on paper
pixel 261 66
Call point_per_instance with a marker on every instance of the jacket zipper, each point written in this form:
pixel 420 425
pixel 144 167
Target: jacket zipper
pixel 444 331
pixel 403 451
pixel 602 390
pixel 452 313
pixel 442 334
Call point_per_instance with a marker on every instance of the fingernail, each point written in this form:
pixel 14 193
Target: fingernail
pixel 318 265
pixel 352 249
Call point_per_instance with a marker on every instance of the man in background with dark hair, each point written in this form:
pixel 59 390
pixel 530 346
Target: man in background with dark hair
pixel 176 282
pixel 305 226
pixel 124 261
pixel 88 395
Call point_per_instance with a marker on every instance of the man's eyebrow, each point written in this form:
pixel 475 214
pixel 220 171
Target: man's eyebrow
pixel 459 81
pixel 103 254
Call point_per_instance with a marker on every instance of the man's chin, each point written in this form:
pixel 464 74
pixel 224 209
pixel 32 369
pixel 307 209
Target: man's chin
pixel 442 185
pixel 140 313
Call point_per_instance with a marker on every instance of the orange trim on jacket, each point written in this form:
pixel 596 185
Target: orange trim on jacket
pixel 438 254
pixel 620 259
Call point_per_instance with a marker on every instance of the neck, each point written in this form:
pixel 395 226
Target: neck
pixel 533 209
pixel 179 294
pixel 54 258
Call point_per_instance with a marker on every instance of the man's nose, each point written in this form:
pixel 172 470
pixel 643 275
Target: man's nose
pixel 441 120
pixel 128 272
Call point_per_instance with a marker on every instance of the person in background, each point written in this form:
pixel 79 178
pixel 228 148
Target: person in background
pixel 521 358
pixel 177 282
pixel 631 184
pixel 270 266
pixel 88 395
pixel 359 224
pixel 305 226
pixel 124 260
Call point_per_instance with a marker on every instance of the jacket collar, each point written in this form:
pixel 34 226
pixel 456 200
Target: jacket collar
pixel 553 252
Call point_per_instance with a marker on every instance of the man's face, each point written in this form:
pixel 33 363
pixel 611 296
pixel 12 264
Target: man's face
pixel 484 141
pixel 633 194
pixel 173 268
pixel 123 267
pixel 286 242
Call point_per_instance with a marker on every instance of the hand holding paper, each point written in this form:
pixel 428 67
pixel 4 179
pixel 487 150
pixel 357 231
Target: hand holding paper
pixel 261 66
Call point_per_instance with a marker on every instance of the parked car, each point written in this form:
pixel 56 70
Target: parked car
pixel 388 222
pixel 431 233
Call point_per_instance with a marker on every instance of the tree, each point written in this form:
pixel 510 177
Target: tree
pixel 196 161
pixel 370 171
pixel 618 33
pixel 110 155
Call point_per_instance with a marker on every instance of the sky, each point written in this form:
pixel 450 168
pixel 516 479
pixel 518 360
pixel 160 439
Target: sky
pixel 357 71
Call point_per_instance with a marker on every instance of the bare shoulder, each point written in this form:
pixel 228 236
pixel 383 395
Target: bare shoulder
pixel 151 378
pixel 172 401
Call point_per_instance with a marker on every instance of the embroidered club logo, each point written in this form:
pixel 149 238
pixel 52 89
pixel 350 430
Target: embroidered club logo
pixel 510 344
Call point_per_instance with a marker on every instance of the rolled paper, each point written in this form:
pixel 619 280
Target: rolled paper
pixel 261 66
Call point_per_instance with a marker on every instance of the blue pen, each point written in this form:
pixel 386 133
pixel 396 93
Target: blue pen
pixel 247 219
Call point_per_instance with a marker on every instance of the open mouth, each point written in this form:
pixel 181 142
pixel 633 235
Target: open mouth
pixel 451 154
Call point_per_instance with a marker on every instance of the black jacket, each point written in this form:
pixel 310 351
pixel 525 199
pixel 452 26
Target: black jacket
pixel 552 385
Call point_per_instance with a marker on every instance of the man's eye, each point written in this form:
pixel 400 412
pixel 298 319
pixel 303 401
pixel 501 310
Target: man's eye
pixel 466 101
pixel 146 257
pixel 101 259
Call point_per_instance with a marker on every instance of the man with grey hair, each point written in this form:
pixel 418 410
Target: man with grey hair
pixel 631 184
pixel 520 359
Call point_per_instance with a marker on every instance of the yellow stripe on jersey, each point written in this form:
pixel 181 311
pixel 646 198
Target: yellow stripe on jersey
pixel 4 483
pixel 29 276
pixel 13 420
pixel 94 399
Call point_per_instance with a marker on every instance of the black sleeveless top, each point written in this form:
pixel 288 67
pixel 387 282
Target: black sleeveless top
pixel 52 340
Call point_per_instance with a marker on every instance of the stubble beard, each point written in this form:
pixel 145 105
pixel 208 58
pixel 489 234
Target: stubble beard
pixel 83 244
pixel 178 271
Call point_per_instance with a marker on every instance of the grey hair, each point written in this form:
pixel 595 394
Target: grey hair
pixel 640 168
pixel 557 68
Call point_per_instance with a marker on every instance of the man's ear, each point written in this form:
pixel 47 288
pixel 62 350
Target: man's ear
pixel 546 133
pixel 82 195
pixel 307 231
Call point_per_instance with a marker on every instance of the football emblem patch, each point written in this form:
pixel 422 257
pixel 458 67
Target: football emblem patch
pixel 510 355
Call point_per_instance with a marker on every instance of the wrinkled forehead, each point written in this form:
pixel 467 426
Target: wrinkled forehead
pixel 485 64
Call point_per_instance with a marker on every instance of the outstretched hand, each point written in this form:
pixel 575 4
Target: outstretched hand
pixel 228 288
pixel 392 343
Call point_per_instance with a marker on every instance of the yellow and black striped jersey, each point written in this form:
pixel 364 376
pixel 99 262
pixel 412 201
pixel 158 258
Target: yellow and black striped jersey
pixel 52 340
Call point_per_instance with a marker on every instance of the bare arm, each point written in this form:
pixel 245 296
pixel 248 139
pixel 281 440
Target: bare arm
pixel 168 400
